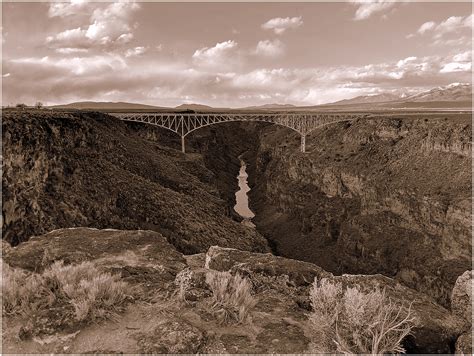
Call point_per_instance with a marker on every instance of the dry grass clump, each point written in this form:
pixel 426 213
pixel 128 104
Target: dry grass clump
pixel 22 292
pixel 231 296
pixel 353 322
pixel 91 293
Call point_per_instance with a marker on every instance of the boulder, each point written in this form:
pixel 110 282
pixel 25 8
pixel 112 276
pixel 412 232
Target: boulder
pixel 172 337
pixel 299 273
pixel 461 296
pixel 464 344
pixel 140 257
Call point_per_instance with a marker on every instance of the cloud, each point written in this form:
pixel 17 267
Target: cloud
pixel 279 25
pixel 456 67
pixel 461 62
pixel 76 65
pixel 452 24
pixel 63 9
pixel 69 50
pixel 134 52
pixel 455 31
pixel 366 9
pixel 427 26
pixel 403 62
pixel 108 25
pixel 270 48
pixel 318 85
pixel 221 54
pixel 160 81
pixel 463 57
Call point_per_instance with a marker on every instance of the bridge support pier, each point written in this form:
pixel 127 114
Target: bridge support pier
pixel 303 143
pixel 183 147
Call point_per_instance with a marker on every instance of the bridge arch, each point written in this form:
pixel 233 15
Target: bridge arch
pixel 184 124
pixel 237 120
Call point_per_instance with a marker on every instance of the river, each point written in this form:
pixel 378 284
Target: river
pixel 242 200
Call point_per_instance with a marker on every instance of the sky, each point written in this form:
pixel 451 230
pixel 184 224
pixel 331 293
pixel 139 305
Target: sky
pixel 230 54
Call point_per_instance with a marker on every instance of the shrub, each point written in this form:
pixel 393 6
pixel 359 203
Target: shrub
pixel 183 282
pixel 231 296
pixel 23 293
pixel 354 322
pixel 92 294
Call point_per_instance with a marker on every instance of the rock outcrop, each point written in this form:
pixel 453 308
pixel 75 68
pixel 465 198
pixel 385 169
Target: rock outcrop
pixel 382 195
pixel 461 305
pixel 464 344
pixel 461 296
pixel 435 328
pixel 157 321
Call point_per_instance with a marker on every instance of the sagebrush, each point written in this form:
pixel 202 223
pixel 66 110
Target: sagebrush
pixel 93 294
pixel 231 296
pixel 183 282
pixel 350 321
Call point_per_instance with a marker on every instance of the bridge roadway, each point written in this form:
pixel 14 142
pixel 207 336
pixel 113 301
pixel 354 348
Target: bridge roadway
pixel 185 123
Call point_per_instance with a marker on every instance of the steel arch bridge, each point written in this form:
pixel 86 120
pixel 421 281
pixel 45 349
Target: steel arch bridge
pixel 183 124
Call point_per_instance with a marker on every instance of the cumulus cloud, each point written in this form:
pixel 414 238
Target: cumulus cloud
pixel 456 67
pixel 108 25
pixel 222 53
pixel 366 9
pixel 427 26
pixel 461 62
pixel 156 81
pixel 279 25
pixel 63 9
pixel 317 85
pixel 455 30
pixel 270 48
pixel 463 57
pixel 135 52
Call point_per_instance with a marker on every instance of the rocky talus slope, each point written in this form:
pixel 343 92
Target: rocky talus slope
pixel 67 170
pixel 386 195
pixel 157 321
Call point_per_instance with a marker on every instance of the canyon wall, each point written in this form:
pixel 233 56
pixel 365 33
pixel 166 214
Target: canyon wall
pixel 64 170
pixel 382 195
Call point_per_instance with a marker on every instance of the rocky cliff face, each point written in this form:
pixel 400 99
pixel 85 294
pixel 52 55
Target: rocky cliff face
pixel 384 195
pixel 63 170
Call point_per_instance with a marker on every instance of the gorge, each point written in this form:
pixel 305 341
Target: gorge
pixel 385 197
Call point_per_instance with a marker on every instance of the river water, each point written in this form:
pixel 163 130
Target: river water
pixel 242 200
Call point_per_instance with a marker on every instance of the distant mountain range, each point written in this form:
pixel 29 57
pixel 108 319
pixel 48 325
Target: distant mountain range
pixel 456 95
pixel 271 106
pixel 452 92
pixel 449 96
pixel 193 107
pixel 366 99
pixel 105 105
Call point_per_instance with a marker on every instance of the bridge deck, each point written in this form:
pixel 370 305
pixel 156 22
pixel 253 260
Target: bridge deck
pixel 185 123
